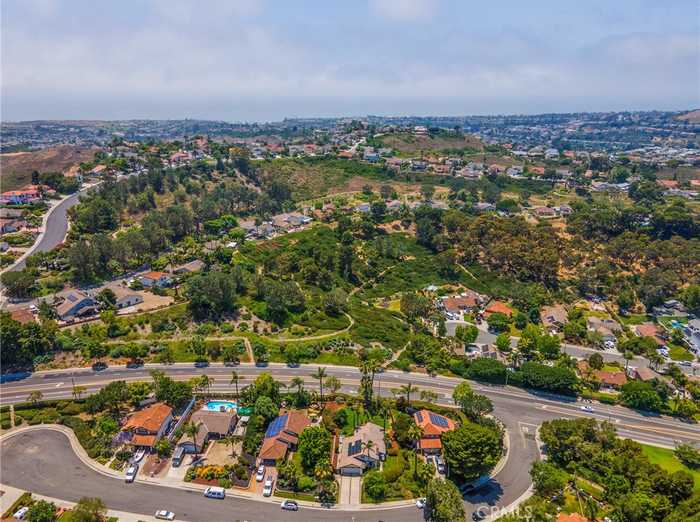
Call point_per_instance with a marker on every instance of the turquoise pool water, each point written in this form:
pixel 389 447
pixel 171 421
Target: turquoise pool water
pixel 221 406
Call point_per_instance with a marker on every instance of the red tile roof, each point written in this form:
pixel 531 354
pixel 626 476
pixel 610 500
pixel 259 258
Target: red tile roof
pixel 611 378
pixel 150 418
pixel 273 449
pixel 498 307
pixel 424 421
pixel 143 440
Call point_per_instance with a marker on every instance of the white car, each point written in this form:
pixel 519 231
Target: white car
pixel 131 472
pixel 260 475
pixel 289 505
pixel 587 409
pixel 21 513
pixel 267 489
pixel 165 515
pixel 420 503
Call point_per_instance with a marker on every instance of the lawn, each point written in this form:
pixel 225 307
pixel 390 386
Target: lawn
pixel 668 461
pixel 678 353
pixel 634 319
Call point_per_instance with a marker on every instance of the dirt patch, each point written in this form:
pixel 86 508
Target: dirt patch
pixel 408 143
pixel 155 466
pixel 17 167
pixel 356 183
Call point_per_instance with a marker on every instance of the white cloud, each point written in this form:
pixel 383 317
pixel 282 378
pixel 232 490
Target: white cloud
pixel 404 10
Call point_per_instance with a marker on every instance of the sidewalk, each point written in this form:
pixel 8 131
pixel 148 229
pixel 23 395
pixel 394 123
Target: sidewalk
pixel 12 494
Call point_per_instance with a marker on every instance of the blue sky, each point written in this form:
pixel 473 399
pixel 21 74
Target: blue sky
pixel 264 60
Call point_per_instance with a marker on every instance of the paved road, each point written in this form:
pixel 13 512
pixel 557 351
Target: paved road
pixel 521 411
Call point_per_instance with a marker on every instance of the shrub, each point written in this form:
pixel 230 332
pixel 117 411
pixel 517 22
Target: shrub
pixel 485 369
pixel 225 483
pixel 306 483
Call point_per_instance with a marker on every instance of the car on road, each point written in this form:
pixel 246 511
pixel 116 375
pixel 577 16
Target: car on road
pixel 685 363
pixel 99 366
pixel 420 503
pixel 478 515
pixel 267 488
pixel 165 515
pixel 131 473
pixel 215 492
pixel 260 475
pixel 33 309
pixel 21 513
pixel 289 505
pixel 587 409
pixel 440 465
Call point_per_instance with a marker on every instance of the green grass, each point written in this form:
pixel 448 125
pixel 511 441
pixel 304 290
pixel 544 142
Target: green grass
pixel 678 353
pixel 667 460
pixel 375 325
pixel 634 319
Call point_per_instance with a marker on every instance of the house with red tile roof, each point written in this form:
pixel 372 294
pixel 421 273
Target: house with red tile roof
pixel 281 436
pixel 23 315
pixel 498 307
pixel 651 330
pixel 433 426
pixel 147 426
pixel 159 279
pixel 571 517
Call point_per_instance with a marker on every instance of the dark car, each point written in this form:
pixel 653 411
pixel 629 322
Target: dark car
pixel 99 366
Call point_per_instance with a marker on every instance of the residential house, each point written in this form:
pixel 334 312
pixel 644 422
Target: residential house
pixel 645 374
pixel 70 304
pixel 159 279
pixel 433 426
pixel 651 330
pixel 193 266
pixel 545 212
pixel 610 381
pixel 9 225
pixel 607 328
pixel 564 210
pixel 371 157
pixel 365 448
pixel 4 246
pixel 455 306
pixel 23 315
pixel 484 207
pixel 7 213
pixel 692 334
pixel 126 297
pixel 363 208
pixel 498 307
pixel 211 425
pixel 551 154
pixel 419 165
pixel 394 205
pixel 27 195
pixel 281 436
pixel 554 317
pixel 147 426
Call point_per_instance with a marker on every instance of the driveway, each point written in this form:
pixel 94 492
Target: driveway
pixel 350 491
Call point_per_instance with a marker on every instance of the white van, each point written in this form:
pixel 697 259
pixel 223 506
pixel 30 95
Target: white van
pixel 215 492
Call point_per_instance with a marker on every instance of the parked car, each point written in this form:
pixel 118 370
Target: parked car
pixel 267 489
pixel 215 492
pixel 420 503
pixel 260 475
pixel 165 515
pixel 440 465
pixel 21 513
pixel 289 505
pixel 131 473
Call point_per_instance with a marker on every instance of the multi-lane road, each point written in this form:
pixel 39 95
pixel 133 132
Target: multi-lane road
pixel 44 461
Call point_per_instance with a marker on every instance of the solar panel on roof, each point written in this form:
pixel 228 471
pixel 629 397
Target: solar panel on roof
pixel 354 448
pixel 419 416
pixel 439 420
pixel 276 426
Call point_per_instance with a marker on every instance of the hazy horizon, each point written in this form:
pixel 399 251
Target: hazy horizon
pixel 262 61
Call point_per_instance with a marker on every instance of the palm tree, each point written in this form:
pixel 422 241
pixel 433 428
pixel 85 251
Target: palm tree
pixel 333 384
pixel 590 509
pixel 191 429
pixel 428 396
pixel 415 433
pixel 78 391
pixel 35 396
pixel 628 357
pixel 299 383
pixel 235 378
pixel 368 446
pixel 320 374
pixel 655 359
pixel 407 390
pixel 232 440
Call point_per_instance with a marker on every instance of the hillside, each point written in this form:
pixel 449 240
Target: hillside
pixel 411 144
pixel 16 167
pixel 692 116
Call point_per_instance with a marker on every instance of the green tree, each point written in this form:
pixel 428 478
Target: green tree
pixel 41 511
pixel 472 404
pixel 596 361
pixel 89 510
pixel 35 396
pixel 265 407
pixel 472 450
pixel 314 445
pixel 641 395
pixel 19 283
pixel 548 479
pixel 211 295
pixel 443 502
pixel 320 374
pixel 503 342
pixel 235 379
pixel 498 322
pixel 375 485
pixel 467 334
pixel 139 391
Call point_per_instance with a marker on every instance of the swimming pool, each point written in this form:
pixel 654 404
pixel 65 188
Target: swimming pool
pixel 220 406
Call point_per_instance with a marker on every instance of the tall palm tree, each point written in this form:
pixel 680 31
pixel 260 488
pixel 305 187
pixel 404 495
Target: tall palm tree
pixel 628 357
pixel 415 433
pixel 299 383
pixel 590 509
pixel 320 374
pixel 333 384
pixel 368 446
pixel 191 429
pixel 78 391
pixel 231 440
pixel 655 359
pixel 407 390
pixel 35 396
pixel 235 378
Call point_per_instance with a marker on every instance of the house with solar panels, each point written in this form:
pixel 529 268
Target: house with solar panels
pixel 364 449
pixel 282 436
pixel 433 426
